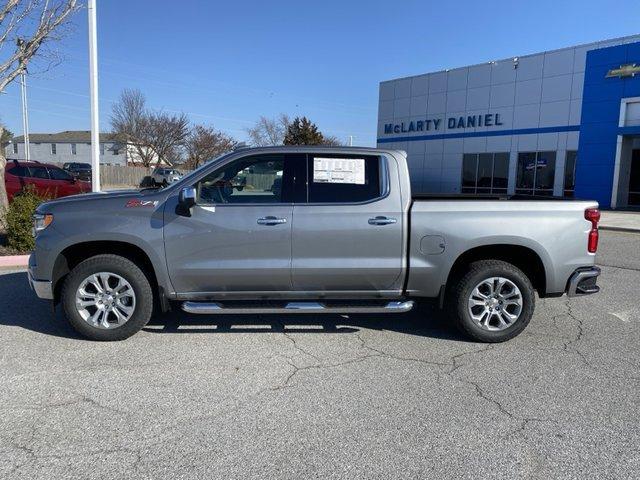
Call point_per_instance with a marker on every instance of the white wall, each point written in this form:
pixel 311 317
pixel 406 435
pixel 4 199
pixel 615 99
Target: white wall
pixel 42 153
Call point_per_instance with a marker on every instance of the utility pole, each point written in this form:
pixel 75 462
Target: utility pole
pixel 23 93
pixel 351 137
pixel 93 86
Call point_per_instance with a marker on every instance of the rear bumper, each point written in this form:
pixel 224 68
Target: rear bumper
pixel 43 288
pixel 583 282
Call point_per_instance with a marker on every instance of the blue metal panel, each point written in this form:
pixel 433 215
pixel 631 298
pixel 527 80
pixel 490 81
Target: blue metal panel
pixel 600 117
pixel 495 133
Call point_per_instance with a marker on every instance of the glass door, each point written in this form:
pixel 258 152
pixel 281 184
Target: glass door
pixel 634 180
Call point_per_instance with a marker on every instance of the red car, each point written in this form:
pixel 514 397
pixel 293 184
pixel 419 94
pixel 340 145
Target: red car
pixel 49 181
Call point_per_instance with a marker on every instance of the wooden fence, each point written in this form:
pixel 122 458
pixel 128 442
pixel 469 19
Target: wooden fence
pixel 115 175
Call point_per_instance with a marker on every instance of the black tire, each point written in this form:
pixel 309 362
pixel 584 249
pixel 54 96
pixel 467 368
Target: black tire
pixel 147 182
pixel 127 270
pixel 460 291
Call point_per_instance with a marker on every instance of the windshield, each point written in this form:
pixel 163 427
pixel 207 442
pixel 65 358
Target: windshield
pixel 205 165
pixel 185 179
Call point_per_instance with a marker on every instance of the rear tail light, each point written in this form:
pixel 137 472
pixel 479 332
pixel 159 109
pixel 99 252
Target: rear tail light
pixel 593 215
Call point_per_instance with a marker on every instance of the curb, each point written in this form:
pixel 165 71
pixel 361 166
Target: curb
pixel 14 261
pixel 619 229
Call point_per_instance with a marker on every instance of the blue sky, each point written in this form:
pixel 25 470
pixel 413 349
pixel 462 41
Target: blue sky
pixel 226 63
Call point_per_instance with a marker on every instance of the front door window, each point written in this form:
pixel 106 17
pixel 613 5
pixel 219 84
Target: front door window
pixel 249 180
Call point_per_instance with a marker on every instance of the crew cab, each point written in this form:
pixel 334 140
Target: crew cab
pixel 308 230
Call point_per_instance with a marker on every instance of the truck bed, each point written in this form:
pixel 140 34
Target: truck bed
pixel 442 227
pixel 485 196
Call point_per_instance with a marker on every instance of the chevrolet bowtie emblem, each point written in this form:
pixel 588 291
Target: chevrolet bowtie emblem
pixel 629 70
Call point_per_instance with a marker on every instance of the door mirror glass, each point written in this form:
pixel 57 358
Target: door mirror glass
pixel 186 200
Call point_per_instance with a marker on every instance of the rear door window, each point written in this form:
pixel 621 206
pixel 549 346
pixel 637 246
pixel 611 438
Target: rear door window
pixel 39 172
pixel 340 178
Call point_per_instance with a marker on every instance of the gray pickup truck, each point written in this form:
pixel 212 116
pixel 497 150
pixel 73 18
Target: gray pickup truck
pixel 308 230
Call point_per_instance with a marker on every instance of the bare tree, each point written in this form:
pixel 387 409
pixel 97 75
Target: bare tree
pixel 269 131
pixel 26 26
pixel 204 143
pixel 332 141
pixel 153 136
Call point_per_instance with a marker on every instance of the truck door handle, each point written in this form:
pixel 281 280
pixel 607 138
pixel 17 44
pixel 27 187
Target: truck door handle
pixel 269 220
pixel 382 221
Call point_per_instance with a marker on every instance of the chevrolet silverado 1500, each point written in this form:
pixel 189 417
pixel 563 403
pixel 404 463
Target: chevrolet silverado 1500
pixel 308 230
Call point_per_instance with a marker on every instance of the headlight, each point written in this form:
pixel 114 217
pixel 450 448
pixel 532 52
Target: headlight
pixel 40 222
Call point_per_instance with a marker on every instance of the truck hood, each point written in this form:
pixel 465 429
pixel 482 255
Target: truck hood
pixel 84 197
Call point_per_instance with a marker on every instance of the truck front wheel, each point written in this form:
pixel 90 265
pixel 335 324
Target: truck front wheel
pixel 107 297
pixel 492 301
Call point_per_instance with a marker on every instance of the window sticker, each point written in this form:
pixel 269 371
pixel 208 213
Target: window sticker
pixel 338 170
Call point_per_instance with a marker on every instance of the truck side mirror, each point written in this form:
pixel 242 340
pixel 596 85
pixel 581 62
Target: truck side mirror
pixel 186 200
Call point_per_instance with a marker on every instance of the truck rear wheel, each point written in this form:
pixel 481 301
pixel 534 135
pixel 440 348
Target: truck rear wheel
pixel 492 301
pixel 107 297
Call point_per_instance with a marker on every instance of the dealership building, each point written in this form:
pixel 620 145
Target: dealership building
pixel 562 123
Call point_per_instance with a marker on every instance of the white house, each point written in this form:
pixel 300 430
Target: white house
pixel 72 146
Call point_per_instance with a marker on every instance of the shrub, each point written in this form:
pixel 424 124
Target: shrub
pixel 17 219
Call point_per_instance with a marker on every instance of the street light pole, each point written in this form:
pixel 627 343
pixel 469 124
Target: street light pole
pixel 25 114
pixel 93 84
pixel 23 92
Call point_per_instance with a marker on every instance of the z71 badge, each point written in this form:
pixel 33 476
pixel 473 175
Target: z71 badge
pixel 141 203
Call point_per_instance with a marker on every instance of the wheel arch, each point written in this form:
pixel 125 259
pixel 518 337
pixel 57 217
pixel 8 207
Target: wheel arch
pixel 72 255
pixel 524 258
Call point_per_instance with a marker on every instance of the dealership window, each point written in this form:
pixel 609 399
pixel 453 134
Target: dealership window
pixel 73 149
pixel 536 171
pixel 485 172
pixel 53 149
pixel 570 173
pixel 15 147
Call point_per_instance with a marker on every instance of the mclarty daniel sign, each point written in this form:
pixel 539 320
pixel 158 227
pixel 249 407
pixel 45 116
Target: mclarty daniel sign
pixel 452 123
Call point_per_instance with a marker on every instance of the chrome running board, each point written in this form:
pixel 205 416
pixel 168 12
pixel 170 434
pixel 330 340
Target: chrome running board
pixel 207 308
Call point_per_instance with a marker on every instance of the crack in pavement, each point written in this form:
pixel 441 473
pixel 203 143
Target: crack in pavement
pixel 448 369
pixel 570 346
pixel 36 456
pixel 75 401
pixel 296 369
pixel 297 346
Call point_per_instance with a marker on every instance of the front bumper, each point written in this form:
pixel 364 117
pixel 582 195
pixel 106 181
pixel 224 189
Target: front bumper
pixel 583 282
pixel 43 288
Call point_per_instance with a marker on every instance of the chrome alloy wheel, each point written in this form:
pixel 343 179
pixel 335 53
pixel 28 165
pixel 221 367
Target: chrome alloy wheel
pixel 495 303
pixel 105 300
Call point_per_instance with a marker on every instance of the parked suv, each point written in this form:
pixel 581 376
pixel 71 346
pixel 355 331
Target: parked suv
pixel 165 176
pixel 81 171
pixel 48 180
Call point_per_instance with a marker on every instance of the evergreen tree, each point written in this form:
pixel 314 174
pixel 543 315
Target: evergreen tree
pixel 303 132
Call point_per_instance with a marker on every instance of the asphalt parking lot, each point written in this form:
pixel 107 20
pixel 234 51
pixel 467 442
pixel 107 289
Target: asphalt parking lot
pixel 329 397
